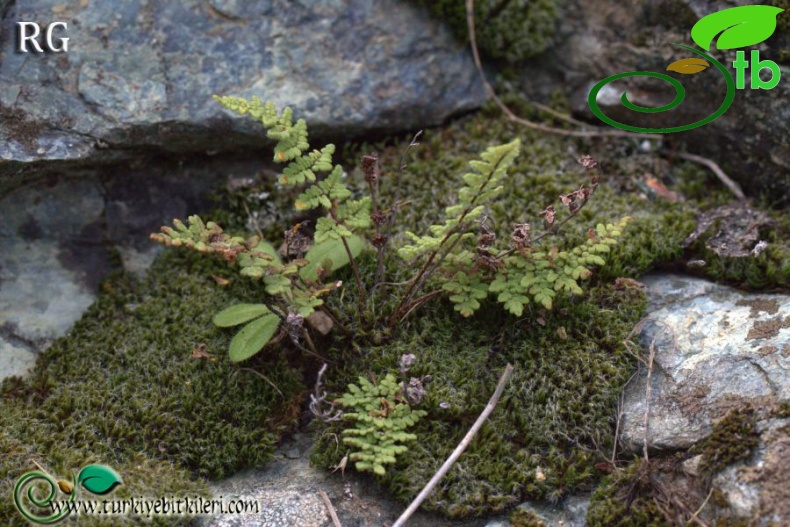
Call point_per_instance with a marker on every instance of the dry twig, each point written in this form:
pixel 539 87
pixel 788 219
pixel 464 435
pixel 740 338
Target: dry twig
pixel 330 508
pixel 716 169
pixel 500 387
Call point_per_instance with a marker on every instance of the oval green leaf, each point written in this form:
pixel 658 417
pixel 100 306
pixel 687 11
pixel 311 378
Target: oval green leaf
pixel 739 27
pixel 688 66
pixel 333 251
pixel 98 479
pixel 239 314
pixel 253 337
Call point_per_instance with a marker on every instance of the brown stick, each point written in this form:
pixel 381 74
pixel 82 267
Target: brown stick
pixel 330 508
pixel 716 169
pixel 500 387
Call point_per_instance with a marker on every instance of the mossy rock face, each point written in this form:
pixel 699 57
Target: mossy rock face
pixel 513 30
pixel 124 384
pixel 570 363
pixel 625 499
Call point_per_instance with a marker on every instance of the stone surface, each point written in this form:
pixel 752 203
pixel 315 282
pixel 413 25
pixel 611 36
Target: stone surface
pixel 599 38
pixel 15 358
pixel 287 491
pixel 140 75
pixel 716 348
pixel 571 512
pixel 758 487
pixel 59 239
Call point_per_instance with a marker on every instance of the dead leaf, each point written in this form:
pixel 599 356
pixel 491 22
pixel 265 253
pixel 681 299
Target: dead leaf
pixel 738 229
pixel 342 466
pixel 223 282
pixel 627 283
pixel 688 66
pixel 200 353
pixel 659 189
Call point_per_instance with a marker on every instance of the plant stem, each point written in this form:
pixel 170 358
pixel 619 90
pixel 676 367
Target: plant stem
pixel 419 280
pixel 500 387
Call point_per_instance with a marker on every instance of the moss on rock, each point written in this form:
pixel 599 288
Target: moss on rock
pixel 733 439
pixel 513 30
pixel 123 389
pixel 625 499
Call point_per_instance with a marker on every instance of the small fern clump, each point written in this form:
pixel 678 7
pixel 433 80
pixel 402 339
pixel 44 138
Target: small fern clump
pixel 381 416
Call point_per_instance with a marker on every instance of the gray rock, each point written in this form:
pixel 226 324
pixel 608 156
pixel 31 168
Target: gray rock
pixel 59 239
pixel 716 348
pixel 140 75
pixel 288 495
pixel 15 359
pixel 599 38
pixel 571 512
pixel 758 487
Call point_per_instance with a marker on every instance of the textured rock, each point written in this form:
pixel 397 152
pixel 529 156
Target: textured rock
pixel 59 239
pixel 288 495
pixel 140 75
pixel 599 38
pixel 758 487
pixel 15 359
pixel 571 512
pixel 716 348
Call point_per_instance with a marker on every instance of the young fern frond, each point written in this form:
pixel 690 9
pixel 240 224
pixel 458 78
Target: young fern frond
pixel 381 416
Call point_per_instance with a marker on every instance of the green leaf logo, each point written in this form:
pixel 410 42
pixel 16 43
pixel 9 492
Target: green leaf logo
pixel 739 27
pixel 98 479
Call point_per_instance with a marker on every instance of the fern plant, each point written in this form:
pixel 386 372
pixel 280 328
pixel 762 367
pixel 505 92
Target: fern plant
pixel 296 284
pixel 381 415
pixel 527 269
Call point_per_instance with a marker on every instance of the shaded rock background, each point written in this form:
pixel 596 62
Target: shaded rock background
pixel 101 145
pixel 139 76
pixel 598 38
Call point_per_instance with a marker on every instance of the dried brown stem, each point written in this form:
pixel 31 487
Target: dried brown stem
pixel 716 169
pixel 500 387
pixel 330 508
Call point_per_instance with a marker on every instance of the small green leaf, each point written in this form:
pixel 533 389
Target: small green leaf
pixel 739 27
pixel 239 314
pixel 98 479
pixel 332 250
pixel 253 337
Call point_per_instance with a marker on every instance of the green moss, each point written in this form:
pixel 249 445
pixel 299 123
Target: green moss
pixel 558 403
pixel 513 30
pixel 732 440
pixel 570 362
pixel 123 389
pixel 625 499
pixel 525 518
pixel 783 20
pixel 142 475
